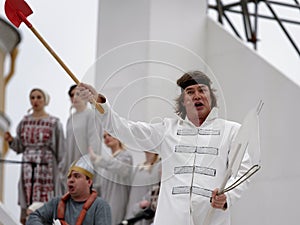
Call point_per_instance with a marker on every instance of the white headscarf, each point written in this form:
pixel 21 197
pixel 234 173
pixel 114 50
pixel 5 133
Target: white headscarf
pixel 44 93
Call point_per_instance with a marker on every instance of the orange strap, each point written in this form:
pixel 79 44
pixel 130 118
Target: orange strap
pixel 62 207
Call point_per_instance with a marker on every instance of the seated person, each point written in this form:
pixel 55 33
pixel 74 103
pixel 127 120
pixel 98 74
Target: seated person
pixel 80 205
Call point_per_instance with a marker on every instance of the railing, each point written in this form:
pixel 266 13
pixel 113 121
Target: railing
pixel 250 17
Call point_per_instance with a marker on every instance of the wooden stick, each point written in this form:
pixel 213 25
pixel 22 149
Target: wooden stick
pixel 23 18
pixel 64 66
pixel 58 59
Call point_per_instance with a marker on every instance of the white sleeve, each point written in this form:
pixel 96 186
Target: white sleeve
pixel 139 136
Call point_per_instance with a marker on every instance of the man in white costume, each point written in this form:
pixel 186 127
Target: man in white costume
pixel 194 149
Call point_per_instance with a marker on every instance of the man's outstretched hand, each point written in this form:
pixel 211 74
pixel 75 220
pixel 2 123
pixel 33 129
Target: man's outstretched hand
pixel 89 93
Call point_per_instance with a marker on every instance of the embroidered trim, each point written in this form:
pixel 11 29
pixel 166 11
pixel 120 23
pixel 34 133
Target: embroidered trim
pixel 181 190
pixel 207 150
pixel 193 132
pixel 205 170
pixel 183 169
pixel 196 149
pixel 185 149
pixel 201 191
pixel 198 169
pixel 187 132
pixel 209 132
pixel 195 190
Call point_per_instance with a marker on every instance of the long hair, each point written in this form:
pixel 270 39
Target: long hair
pixel 190 78
pixel 71 89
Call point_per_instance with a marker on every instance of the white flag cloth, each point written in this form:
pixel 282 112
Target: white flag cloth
pixel 246 139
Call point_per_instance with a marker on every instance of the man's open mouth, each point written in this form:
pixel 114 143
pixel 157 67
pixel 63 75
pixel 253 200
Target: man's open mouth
pixel 70 187
pixel 198 104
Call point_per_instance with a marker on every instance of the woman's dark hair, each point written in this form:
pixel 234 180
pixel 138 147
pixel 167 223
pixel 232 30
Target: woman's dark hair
pixel 71 89
pixel 191 78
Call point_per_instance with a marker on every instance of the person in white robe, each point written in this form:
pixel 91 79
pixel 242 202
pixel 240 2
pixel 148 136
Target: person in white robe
pixel 115 171
pixel 145 176
pixel 82 132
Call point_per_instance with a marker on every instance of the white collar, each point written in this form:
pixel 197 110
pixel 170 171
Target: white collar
pixel 213 114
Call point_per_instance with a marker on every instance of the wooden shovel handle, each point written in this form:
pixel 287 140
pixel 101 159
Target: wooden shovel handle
pixel 64 66
pixel 54 55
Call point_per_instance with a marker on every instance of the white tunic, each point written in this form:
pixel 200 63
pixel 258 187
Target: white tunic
pixel 83 131
pixel 194 161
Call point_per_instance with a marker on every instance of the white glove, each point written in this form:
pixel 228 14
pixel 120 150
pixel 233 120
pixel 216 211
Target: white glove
pixel 56 222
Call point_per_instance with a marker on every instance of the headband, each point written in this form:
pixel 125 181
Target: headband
pixel 190 82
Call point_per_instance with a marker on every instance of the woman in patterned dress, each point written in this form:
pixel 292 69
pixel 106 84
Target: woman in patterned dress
pixel 41 140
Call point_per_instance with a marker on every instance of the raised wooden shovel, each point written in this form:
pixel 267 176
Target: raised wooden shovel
pixel 17 12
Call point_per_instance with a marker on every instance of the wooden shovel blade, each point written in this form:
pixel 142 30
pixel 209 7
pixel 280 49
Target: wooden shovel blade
pixel 17 11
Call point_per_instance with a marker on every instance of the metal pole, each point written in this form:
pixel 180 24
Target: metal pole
pixel 2 57
pixel 9 39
